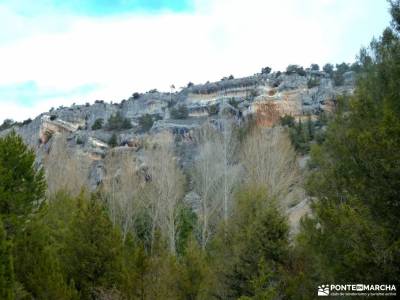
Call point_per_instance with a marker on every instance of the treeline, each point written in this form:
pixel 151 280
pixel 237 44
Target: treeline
pixel 147 245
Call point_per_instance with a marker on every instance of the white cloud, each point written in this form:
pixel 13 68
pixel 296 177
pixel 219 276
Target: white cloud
pixel 129 53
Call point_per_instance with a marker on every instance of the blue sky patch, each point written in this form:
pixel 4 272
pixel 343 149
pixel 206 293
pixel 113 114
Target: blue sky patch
pixel 29 93
pixel 98 7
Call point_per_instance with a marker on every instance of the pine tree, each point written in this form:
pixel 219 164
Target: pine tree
pixel 6 267
pixel 93 248
pixel 253 247
pixel 21 186
pixel 38 262
pixel 355 180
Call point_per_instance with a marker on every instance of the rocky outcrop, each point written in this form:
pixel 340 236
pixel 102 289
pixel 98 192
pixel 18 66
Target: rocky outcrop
pixel 273 95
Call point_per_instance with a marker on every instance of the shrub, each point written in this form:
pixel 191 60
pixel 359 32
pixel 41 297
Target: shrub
pixel 328 68
pixel 287 120
pixel 113 141
pixel 338 78
pixel 314 67
pixel 295 69
pixel 98 124
pixel 146 122
pixel 266 70
pixel 181 112
pixel 136 95
pixel 213 109
pixel 8 123
pixel 117 122
pixel 53 117
pixel 233 102
pixel 313 82
pixel 26 122
pixel 79 140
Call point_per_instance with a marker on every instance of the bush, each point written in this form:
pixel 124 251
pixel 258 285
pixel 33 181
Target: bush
pixel 314 67
pixel 266 70
pixel 136 95
pixel 287 120
pixel 98 124
pixel 79 140
pixel 146 122
pixel 338 78
pixel 117 122
pixel 295 69
pixel 213 109
pixel 328 68
pixel 181 112
pixel 233 102
pixel 113 141
pixel 313 82
pixel 53 117
pixel 8 123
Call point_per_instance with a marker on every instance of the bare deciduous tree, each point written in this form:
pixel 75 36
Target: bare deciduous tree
pixel 166 188
pixel 270 161
pixel 65 170
pixel 122 190
pixel 230 168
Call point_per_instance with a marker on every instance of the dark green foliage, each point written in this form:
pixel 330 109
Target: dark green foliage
pixel 38 263
pixel 118 122
pixel 79 140
pixel 253 246
pixel 187 220
pixel 146 122
pixel 355 229
pixel 313 82
pixel 93 248
pixel 190 84
pixel 314 67
pixel 21 186
pixel 135 96
pixel 194 274
pixel 181 112
pixel 328 68
pixel 53 117
pixel 287 120
pixel 98 124
pixel 213 109
pixel 303 135
pixel 7 283
pixel 113 141
pixel 266 70
pixel 233 102
pixel 299 135
pixel 295 69
pixel 26 122
pixel 7 123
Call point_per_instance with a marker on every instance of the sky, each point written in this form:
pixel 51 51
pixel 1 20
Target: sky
pixel 59 52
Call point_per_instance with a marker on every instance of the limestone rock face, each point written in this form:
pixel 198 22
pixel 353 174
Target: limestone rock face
pixel 277 94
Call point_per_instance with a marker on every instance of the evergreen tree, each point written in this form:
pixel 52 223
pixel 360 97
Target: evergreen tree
pixel 93 252
pixel 355 180
pixel 253 247
pixel 6 267
pixel 21 186
pixel 37 261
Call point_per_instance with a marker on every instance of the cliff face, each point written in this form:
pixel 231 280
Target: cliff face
pixel 268 95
